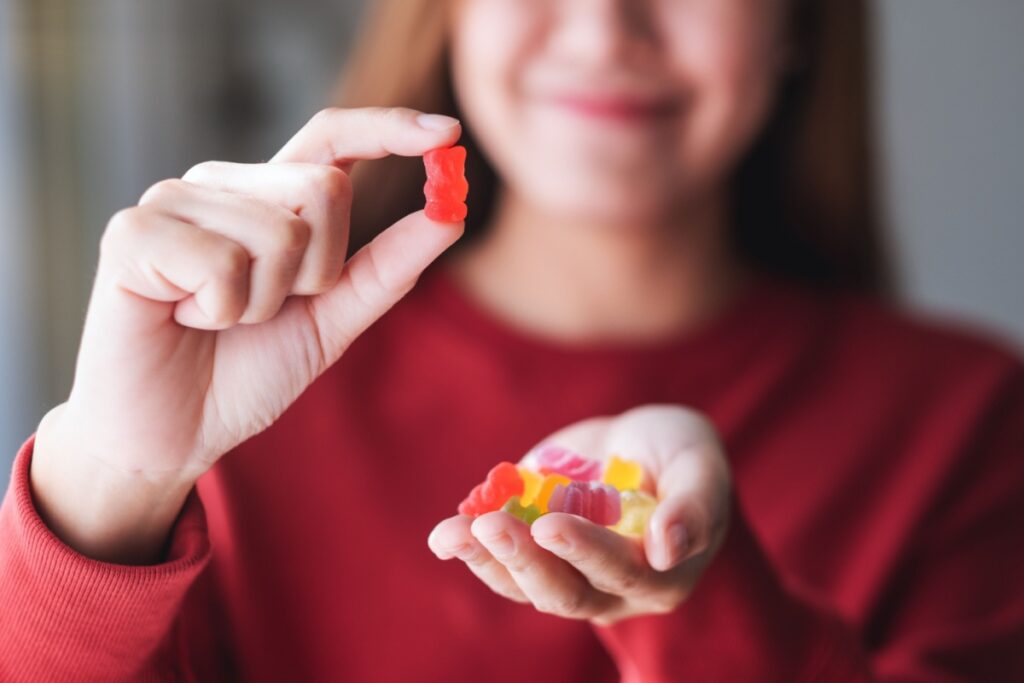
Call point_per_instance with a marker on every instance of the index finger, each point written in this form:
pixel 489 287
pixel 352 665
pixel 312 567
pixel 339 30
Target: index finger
pixel 340 137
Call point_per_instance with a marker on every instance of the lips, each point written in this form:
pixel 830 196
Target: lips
pixel 618 107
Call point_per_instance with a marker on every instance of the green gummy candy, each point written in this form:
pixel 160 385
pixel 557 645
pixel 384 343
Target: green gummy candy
pixel 528 514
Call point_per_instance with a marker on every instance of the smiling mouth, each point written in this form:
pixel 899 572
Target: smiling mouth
pixel 629 109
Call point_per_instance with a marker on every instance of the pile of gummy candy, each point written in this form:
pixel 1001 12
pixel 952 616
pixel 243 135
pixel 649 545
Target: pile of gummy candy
pixel 608 494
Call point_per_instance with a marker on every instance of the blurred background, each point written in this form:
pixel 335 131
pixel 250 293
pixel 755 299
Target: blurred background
pixel 101 98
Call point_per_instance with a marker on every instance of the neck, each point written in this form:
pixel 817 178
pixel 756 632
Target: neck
pixel 577 282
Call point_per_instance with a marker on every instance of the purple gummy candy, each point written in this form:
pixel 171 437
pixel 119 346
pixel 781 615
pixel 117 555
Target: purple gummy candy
pixel 593 500
pixel 557 460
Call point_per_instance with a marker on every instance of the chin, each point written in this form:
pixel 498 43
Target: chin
pixel 581 194
pixel 600 206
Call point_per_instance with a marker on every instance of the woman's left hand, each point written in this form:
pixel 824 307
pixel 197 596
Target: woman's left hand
pixel 568 566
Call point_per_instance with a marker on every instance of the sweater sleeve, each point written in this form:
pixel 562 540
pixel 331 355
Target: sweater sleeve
pixel 740 624
pixel 954 612
pixel 65 616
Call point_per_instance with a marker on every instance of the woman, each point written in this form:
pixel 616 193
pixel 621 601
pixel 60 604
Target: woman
pixel 672 227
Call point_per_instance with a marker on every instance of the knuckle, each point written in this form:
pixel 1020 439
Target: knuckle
pixel 517 564
pixel 367 287
pixel 231 262
pixel 394 115
pixel 324 116
pixel 475 557
pixel 203 171
pixel 122 224
pixel 333 185
pixel 628 580
pixel 122 221
pixel 567 603
pixel 164 189
pixel 384 278
pixel 294 235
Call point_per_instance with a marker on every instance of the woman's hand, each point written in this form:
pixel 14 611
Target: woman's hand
pixel 568 566
pixel 217 301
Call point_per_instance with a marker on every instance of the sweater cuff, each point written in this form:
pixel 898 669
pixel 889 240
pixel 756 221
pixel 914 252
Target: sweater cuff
pixel 63 607
pixel 740 623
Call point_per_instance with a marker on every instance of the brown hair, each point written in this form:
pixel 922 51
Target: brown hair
pixel 804 198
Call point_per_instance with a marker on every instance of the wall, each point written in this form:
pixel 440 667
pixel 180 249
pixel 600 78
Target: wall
pixel 99 99
pixel 952 105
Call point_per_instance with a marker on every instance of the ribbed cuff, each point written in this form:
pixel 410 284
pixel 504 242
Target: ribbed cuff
pixel 67 616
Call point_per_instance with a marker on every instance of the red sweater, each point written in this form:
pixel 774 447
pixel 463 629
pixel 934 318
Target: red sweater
pixel 879 470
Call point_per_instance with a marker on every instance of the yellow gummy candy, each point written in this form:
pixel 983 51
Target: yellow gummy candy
pixel 637 507
pixel 547 487
pixel 531 485
pixel 625 475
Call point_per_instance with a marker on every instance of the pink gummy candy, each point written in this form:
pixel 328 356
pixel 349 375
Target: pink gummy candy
pixel 553 459
pixel 597 502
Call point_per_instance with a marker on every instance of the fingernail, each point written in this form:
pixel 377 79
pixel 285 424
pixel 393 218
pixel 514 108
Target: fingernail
pixel 501 546
pixel 556 544
pixel 677 541
pixel 436 122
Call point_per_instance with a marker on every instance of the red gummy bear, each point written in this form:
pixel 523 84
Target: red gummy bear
pixel 446 188
pixel 503 482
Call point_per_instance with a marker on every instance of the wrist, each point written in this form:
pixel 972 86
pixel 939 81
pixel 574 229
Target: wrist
pixel 100 511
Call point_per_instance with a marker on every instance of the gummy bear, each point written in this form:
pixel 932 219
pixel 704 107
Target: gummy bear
pixel 547 487
pixel 503 482
pixel 527 513
pixel 531 484
pixel 637 507
pixel 446 188
pixel 590 499
pixel 624 475
pixel 555 459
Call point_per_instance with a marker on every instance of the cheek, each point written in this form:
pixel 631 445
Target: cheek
pixel 489 43
pixel 495 45
pixel 729 58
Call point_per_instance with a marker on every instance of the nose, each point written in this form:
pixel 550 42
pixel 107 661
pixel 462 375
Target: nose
pixel 601 32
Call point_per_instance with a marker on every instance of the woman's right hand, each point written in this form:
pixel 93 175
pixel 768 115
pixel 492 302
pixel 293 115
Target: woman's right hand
pixel 217 301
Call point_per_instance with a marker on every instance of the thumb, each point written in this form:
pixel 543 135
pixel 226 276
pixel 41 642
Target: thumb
pixel 693 512
pixel 684 454
pixel 376 277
